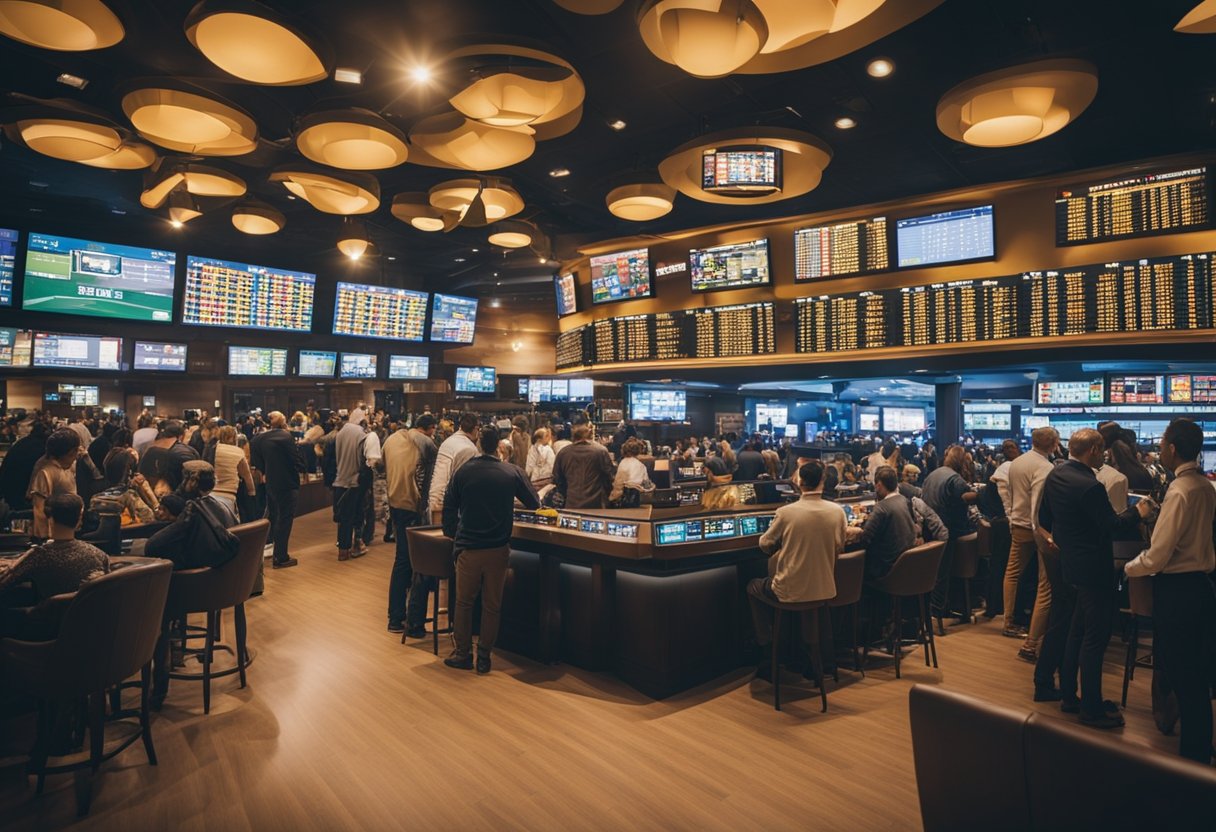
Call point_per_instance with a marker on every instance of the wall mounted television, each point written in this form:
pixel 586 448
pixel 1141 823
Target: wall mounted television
pixel 226 294
pixel 453 319
pixel 566 289
pixel 964 235
pixel 476 381
pixel 76 352
pixel 657 404
pixel 8 264
pixel 623 275
pixel 741 171
pixel 379 312
pixel 160 356
pixel 357 365
pixel 257 361
pixel 729 267
pixel 409 367
pixel 317 364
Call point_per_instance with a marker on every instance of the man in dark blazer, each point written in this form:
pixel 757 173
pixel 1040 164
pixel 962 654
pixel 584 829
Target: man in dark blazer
pixel 1075 517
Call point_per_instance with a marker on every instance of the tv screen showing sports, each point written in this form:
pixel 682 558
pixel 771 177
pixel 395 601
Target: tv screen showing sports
pixel 1178 389
pixel 777 414
pixel 257 361
pixel 453 319
pixel 80 395
pixel 624 275
pixel 409 366
pixel 105 280
pixel 157 355
pixel 567 294
pixel 8 264
pixel 980 420
pixel 558 390
pixel 481 381
pixel 77 352
pixel 741 171
pixel 1203 389
pixel 947 237
pixel 357 365
pixel 903 419
pixel 16 347
pixel 868 421
pixel 1136 389
pixel 1091 391
pixel 729 267
pixel 317 363
pixel 649 404
pixel 379 312
pixel 222 293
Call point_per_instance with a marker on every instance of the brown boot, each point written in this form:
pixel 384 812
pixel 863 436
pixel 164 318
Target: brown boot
pixel 344 554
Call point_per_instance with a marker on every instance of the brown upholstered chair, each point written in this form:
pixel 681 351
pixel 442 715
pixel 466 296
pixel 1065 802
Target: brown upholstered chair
pixel 811 611
pixel 965 567
pixel 1140 603
pixel 850 576
pixel 211 590
pixel 107 633
pixel 913 576
pixel 431 556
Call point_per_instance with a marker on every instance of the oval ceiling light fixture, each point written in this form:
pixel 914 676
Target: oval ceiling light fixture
pixel 1200 20
pixel 513 234
pixel 589 6
pixel 796 159
pixel 172 115
pixel 61 25
pixel 1019 104
pixel 331 193
pixel 256 44
pixel 196 179
pixel 182 208
pixel 453 141
pixel 642 201
pixel 705 38
pixel 414 207
pixel 476 202
pixel 64 129
pixel 257 218
pixel 517 85
pixel 354 139
pixel 353 240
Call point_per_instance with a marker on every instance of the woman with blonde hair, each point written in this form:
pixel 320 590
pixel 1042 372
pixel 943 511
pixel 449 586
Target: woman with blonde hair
pixel 231 468
pixel 540 458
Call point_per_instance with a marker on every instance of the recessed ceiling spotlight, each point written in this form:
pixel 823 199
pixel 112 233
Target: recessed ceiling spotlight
pixel 459 259
pixel 845 123
pixel 176 223
pixel 880 67
pixel 495 303
pixel 543 260
pixel 420 74
pixel 347 75
pixel 72 80
pixel 558 173
pixel 617 125
pixel 496 274
pixel 392 257
pixel 474 250
pixel 118 211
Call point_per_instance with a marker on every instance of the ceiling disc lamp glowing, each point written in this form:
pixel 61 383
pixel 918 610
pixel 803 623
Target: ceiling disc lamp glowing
pixel 257 218
pixel 61 25
pixel 256 44
pixel 354 139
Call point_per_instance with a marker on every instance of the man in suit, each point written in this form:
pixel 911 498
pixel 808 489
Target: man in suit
pixel 889 530
pixel 1076 518
pixel 276 455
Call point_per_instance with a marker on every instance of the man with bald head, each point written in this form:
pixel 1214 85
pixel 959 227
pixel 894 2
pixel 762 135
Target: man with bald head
pixel 275 455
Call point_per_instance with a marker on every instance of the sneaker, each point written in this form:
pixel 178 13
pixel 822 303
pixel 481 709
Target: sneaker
pixel 388 538
pixel 483 663
pixel 1028 654
pixel 285 564
pixel 1015 631
pixel 396 628
pixel 459 661
pixel 360 549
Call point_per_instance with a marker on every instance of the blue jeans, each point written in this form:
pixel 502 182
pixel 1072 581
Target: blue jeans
pixel 400 583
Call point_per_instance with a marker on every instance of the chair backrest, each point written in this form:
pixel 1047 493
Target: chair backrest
pixel 224 586
pixel 915 571
pixel 110 630
pixel 1140 596
pixel 430 551
pixel 850 574
pixel 41 621
pixel 966 556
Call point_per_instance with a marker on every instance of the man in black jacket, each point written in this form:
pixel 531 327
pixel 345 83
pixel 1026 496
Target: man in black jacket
pixel 1075 517
pixel 277 456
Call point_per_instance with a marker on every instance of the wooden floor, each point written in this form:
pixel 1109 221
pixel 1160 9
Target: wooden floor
pixel 342 727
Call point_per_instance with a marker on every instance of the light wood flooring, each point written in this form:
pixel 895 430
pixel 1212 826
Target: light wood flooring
pixel 343 728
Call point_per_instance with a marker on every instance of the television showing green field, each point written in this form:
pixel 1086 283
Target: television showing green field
pixel 82 277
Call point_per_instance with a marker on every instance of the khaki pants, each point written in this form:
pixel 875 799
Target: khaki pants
pixel 484 571
pixel 1022 548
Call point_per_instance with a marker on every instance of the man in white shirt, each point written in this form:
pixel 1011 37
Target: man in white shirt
pixel 455 451
pixel 1180 559
pixel 1026 476
pixel 804 540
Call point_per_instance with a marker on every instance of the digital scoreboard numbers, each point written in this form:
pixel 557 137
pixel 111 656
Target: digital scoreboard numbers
pixel 227 294
pixel 841 250
pixel 1136 206
pixel 379 312
pixel 713 332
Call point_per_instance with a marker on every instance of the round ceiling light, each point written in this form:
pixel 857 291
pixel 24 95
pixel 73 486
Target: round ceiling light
pixel 254 43
pixel 803 158
pixel 354 139
pixel 353 240
pixel 87 143
pixel 195 179
pixel 642 201
pixel 499 198
pixel 452 140
pixel 257 218
pixel 414 208
pixel 515 86
pixel 1200 20
pixel 190 122
pixel 705 39
pixel 513 234
pixel 346 194
pixel 880 67
pixel 1019 104
pixel 61 25
pixel 589 6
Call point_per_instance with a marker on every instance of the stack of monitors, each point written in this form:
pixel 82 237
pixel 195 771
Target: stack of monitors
pixel 480 381
pixel 566 290
pixel 8 264
pixel 841 250
pixel 357 365
pixel 557 390
pixel 221 293
pixel 257 361
pixel 379 312
pixel 82 277
pixel 76 352
pixel 1084 392
pixel 453 319
pixel 1191 389
pixel 1128 389
pixel 317 363
pixel 160 356
pixel 961 236
pixel 624 275
pixel 409 367
pixel 729 267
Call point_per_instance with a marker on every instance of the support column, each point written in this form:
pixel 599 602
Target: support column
pixel 948 395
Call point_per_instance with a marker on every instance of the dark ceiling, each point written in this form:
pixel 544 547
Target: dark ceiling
pixel 1155 97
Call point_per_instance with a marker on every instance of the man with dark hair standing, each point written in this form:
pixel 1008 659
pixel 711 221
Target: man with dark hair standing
pixel 1180 559
pixel 479 514
pixel 583 471
pixel 277 456
pixel 1075 517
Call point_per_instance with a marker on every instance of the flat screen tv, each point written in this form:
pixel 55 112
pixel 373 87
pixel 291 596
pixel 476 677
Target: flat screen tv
pixel 104 280
pixel 317 363
pixel 1086 391
pixel 8 264
pixel 159 356
pixel 729 267
pixel 655 404
pixel 903 419
pixel 869 420
pixel 777 414
pixel 557 390
pixel 80 395
pixel 623 275
pixel 379 312
pixel 77 352
pixel 453 319
pixel 741 171
pixel 227 294
pixel 409 367
pixel 257 361
pixel 960 236
pixel 566 289
pixel 1129 389
pixel 16 347
pixel 357 365
pixel 477 381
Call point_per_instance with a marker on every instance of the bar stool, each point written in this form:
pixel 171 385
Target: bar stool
pixel 966 566
pixel 816 608
pixel 913 576
pixel 1140 601
pixel 431 557
pixel 850 575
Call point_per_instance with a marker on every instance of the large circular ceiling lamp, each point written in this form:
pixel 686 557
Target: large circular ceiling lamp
pixel 63 129
pixel 589 6
pixel 1019 104
pixel 705 38
pixel 513 234
pixel 198 180
pixel 257 218
pixel 62 25
pixel 353 139
pixel 190 121
pixel 498 199
pixel 415 208
pixel 454 141
pixel 516 85
pixel 256 44
pixel 1200 20
pixel 803 158
pixel 642 201
pixel 331 193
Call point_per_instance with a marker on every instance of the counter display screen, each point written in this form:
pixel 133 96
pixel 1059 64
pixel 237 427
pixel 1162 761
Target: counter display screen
pixel 566 289
pixel 946 237
pixel 624 275
pixel 1136 389
pixel 1134 206
pixel 257 361
pixel 358 365
pixel 903 419
pixel 409 366
pixel 716 528
pixel 477 380
pixel 155 355
pixel 1092 391
pixel 317 363
pixel 755 524
pixel 567 521
pixel 741 171
pixel 729 267
pixel 841 250
pixel 648 404
pixel 453 319
pixel 105 280
pixel 80 395
pixel 76 352
pixel 711 528
pixel 592 526
pixel 8 264
pixel 379 312
pixel 628 531
pixel 222 293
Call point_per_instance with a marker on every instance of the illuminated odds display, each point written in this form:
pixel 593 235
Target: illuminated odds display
pixel 379 312
pixel 8 264
pixel 1133 206
pixel 841 250
pixel 222 293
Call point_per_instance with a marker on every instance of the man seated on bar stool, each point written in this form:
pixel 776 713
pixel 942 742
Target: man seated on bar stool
pixel 889 530
pixel 804 539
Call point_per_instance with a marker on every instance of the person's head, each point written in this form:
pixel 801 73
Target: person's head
pixel 888 448
pixel 65 511
pixel 1010 450
pixel 1181 443
pixel 911 473
pixel 540 436
pixel 582 432
pixel 1122 457
pixel 717 472
pixel 1111 432
pixel 955 458
pixel 1045 440
pixel 63 446
pixel 632 447
pixel 121 438
pixel 505 450
pixel 227 435
pixel 469 423
pixel 1086 446
pixel 426 424
pixel 170 508
pixel 487 440
pixel 147 421
pixel 277 419
pixel 172 429
pixel 520 423
pixel 810 476
pixel 886 481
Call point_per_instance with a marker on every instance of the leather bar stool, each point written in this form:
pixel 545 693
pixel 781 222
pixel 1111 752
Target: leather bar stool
pixel 431 557
pixel 966 566
pixel 1140 601
pixel 850 575
pixel 913 576
pixel 811 610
